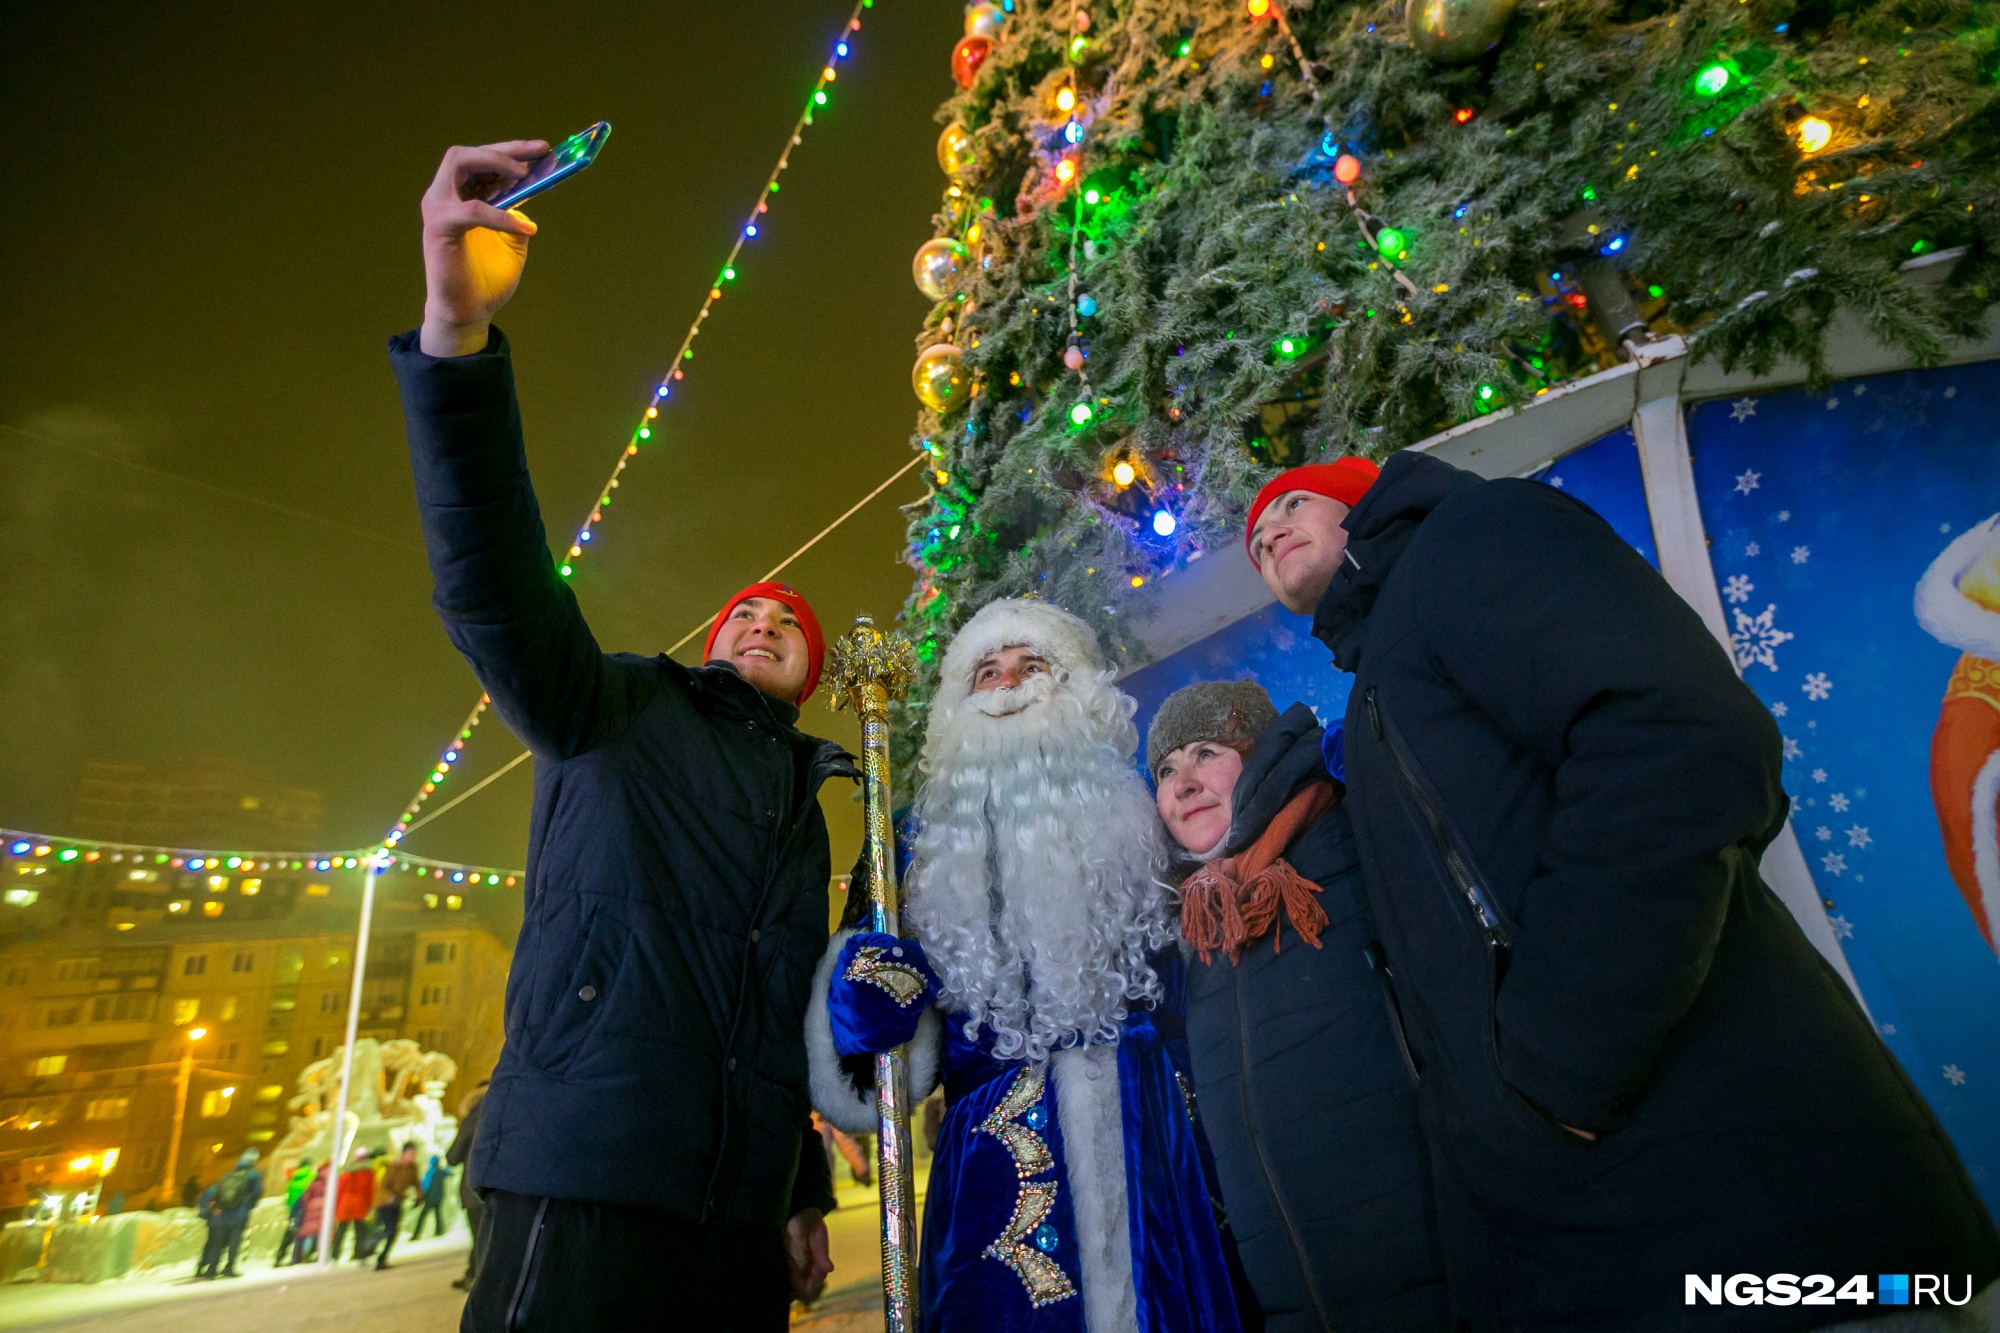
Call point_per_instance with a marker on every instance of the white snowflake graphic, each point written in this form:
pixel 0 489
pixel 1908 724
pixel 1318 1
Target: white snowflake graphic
pixel 1944 527
pixel 1801 554
pixel 1951 392
pixel 1757 638
pixel 1839 802
pixel 1819 775
pixel 1842 927
pixel 1952 1073
pixel 1792 750
pixel 1823 833
pixel 1738 588
pixel 1556 482
pixel 1857 836
pixel 1780 708
pixel 1743 409
pixel 1860 389
pixel 1753 549
pixel 1888 1029
pixel 1784 516
pixel 1834 862
pixel 1748 481
pixel 1817 686
pixel 1832 403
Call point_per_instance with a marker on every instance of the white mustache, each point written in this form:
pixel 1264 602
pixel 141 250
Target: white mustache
pixel 1014 699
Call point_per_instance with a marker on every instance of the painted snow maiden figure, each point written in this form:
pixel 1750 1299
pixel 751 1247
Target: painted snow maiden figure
pixel 1634 1067
pixel 1306 1095
pixel 1066 1193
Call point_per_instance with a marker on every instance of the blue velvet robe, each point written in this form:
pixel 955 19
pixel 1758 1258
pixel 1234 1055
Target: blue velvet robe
pixel 999 1246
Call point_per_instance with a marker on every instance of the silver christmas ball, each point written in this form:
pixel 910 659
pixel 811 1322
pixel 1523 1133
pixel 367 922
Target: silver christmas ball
pixel 1454 31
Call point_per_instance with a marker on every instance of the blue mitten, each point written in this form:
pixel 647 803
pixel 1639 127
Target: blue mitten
pixel 880 988
pixel 1332 750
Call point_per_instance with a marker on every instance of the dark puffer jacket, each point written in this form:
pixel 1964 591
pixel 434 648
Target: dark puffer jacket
pixel 677 864
pixel 1561 792
pixel 1309 1102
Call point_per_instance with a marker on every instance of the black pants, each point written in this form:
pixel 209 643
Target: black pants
pixel 388 1222
pixel 554 1265
pixel 224 1238
pixel 433 1211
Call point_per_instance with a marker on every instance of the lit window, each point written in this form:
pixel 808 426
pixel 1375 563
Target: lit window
pixel 47 1066
pixel 250 887
pixel 228 1008
pixel 270 1092
pixel 20 897
pixel 215 1103
pixel 107 1108
pixel 211 908
pixel 186 1011
pixel 318 890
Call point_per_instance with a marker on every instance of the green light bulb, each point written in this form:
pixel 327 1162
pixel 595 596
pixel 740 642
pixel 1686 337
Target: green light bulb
pixel 1656 291
pixel 567 571
pixel 729 275
pixel 1485 393
pixel 1081 414
pixel 1390 242
pixel 1711 80
pixel 645 432
pixel 1185 47
pixel 819 99
pixel 1286 347
pixel 1091 196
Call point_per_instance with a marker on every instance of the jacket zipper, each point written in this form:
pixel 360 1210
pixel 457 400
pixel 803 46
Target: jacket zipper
pixel 1457 864
pixel 1378 960
pixel 1292 1236
pixel 822 769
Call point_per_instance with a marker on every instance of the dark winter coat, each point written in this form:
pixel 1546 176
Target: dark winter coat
pixel 676 895
pixel 1561 792
pixel 1309 1103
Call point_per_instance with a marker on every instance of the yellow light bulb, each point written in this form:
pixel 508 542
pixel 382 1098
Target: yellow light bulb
pixel 1065 100
pixel 1065 169
pixel 1814 134
pixel 1124 473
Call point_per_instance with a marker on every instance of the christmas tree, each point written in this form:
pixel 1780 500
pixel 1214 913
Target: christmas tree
pixel 1183 244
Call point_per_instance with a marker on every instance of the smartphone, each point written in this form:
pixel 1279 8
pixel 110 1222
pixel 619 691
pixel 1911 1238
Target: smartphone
pixel 554 167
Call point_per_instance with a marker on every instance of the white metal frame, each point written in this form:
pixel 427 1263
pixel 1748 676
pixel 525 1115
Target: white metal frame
pixel 1651 394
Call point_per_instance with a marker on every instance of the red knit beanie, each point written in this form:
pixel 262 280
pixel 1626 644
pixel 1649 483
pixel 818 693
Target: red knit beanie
pixel 808 622
pixel 1344 479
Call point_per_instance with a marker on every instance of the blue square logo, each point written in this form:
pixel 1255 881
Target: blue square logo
pixel 1893 1289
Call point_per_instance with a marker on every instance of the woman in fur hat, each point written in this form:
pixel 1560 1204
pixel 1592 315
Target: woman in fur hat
pixel 1306 1090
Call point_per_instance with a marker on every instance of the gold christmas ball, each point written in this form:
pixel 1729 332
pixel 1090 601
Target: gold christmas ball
pixel 939 264
pixel 985 20
pixel 1454 31
pixel 939 377
pixel 955 152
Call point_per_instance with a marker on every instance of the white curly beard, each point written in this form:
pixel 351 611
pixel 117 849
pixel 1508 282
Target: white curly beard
pixel 1035 879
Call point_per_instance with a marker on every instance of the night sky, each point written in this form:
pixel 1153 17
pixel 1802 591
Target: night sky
pixel 208 541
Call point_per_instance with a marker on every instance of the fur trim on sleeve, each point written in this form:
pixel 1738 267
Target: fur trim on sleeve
pixel 847 1102
pixel 1947 614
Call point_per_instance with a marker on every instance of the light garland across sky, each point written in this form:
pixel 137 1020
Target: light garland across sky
pixel 643 432
pixel 25 848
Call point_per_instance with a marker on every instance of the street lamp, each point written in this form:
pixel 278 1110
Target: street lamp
pixel 193 1035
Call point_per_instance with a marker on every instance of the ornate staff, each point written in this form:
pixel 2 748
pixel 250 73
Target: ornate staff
pixel 867 669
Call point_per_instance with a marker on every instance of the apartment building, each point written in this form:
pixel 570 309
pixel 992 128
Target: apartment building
pixel 109 969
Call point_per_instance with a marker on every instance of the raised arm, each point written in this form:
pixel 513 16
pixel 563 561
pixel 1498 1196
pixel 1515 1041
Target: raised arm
pixel 1666 783
pixel 497 590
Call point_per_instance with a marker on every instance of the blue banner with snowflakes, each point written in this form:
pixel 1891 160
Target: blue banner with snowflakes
pixel 1854 538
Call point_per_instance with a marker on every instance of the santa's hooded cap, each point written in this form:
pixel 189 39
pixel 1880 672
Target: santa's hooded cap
pixel 1016 622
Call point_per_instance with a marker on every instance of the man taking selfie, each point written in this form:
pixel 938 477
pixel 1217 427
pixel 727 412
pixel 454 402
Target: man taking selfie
pixel 647 1132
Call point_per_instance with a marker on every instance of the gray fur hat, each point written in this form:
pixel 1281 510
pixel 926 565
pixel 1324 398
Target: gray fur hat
pixel 1234 712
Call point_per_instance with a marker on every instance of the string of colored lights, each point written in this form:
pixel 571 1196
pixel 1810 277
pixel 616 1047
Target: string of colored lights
pixel 644 430
pixel 31 850
pixel 682 642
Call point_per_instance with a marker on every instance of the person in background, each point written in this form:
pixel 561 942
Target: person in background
pixel 460 1156
pixel 431 1191
pixel 295 1189
pixel 190 1191
pixel 1309 1100
pixel 353 1201
pixel 397 1181
pixel 367 1236
pixel 226 1207
pixel 115 1204
pixel 1635 1066
pixel 311 1213
pixel 649 1123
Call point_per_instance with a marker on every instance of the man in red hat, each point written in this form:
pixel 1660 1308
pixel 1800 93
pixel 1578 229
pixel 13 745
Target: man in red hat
pixel 646 1143
pixel 1634 1066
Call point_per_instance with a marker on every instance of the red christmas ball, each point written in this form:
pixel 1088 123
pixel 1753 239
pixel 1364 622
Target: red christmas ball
pixel 968 56
pixel 1347 169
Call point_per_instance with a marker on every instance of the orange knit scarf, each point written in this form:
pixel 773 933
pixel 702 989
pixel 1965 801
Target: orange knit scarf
pixel 1230 903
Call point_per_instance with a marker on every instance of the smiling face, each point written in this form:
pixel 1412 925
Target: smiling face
pixel 1008 667
pixel 1297 545
pixel 763 640
pixel 1195 784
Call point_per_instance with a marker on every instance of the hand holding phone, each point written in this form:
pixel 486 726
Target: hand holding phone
pixel 474 246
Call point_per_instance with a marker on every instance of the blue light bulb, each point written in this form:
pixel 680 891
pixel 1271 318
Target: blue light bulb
pixel 1086 306
pixel 1164 524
